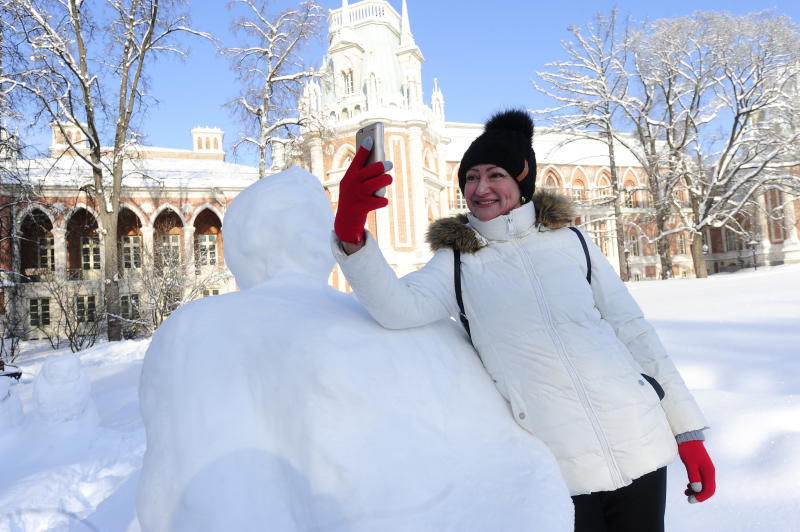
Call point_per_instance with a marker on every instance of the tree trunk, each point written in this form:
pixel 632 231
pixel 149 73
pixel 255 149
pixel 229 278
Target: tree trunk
pixel 698 258
pixel 110 288
pixel 619 223
pixel 262 162
pixel 624 272
pixel 662 245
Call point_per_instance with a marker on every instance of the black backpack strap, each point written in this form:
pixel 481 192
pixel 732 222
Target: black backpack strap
pixel 457 280
pixel 585 252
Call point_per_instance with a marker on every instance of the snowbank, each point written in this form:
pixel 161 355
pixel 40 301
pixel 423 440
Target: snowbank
pixel 59 468
pixel 286 407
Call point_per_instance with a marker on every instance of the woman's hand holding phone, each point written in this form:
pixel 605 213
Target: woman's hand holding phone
pixel 357 194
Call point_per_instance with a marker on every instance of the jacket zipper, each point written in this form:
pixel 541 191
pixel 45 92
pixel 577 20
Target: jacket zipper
pixel 569 366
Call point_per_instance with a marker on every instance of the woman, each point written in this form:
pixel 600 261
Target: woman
pixel 554 326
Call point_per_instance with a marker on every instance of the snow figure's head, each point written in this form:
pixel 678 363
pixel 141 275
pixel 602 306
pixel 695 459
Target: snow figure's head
pixel 279 226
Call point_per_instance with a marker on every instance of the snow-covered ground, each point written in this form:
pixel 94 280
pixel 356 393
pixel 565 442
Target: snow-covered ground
pixel 735 337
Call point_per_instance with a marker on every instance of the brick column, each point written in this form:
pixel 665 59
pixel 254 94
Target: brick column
pixel 147 247
pixel 60 252
pixel 188 248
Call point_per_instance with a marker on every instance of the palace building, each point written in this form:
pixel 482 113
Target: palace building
pixel 373 72
pixel 172 208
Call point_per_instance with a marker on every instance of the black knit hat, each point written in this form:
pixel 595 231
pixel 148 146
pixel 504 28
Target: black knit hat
pixel 506 141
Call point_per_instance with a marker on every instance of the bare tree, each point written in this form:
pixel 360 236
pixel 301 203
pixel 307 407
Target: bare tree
pixel 749 139
pixel 271 70
pixel 76 312
pixel 169 280
pixel 16 191
pixel 670 79
pixel 703 110
pixel 14 326
pixel 588 87
pixel 83 65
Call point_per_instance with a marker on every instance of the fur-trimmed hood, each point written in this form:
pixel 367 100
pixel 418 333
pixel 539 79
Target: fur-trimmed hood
pixel 552 210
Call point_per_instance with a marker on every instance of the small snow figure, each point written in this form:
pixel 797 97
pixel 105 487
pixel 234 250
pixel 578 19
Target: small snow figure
pixel 286 407
pixel 10 406
pixel 61 391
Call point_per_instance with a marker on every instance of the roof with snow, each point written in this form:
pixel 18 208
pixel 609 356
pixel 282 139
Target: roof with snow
pixel 551 147
pixel 157 167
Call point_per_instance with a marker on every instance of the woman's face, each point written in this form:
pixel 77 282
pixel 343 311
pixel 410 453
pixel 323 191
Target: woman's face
pixel 490 191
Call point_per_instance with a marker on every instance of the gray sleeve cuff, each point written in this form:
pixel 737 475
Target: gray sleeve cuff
pixel 691 435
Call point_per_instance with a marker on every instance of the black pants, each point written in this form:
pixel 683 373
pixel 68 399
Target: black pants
pixel 638 507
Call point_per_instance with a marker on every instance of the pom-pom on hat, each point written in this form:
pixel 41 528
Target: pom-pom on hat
pixel 506 141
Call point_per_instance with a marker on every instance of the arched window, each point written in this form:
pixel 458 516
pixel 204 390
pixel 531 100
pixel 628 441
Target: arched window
pixel 37 244
pixel 208 239
pixel 168 234
pixel 129 231
pixel 461 202
pixel 603 187
pixel 208 143
pixel 83 246
pixel 199 143
pixel 551 181
pixel 632 244
pixel 629 193
pixel 347 81
pixel 733 241
pixel 216 143
pixel 774 200
pixel 600 236
pixel 579 190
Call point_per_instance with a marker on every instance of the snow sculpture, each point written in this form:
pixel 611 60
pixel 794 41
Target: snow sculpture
pixel 10 406
pixel 286 407
pixel 61 392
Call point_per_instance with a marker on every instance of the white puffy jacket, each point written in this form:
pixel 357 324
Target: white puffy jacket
pixel 569 356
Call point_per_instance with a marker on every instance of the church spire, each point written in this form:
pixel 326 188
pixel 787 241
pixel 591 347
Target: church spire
pixel 406 38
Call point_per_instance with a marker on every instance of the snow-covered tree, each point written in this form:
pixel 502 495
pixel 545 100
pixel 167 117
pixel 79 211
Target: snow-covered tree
pixel 703 107
pixel 588 86
pixel 16 191
pixel 748 139
pixel 271 71
pixel 170 280
pixel 670 80
pixel 83 64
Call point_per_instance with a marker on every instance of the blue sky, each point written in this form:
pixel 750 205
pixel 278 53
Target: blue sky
pixel 484 53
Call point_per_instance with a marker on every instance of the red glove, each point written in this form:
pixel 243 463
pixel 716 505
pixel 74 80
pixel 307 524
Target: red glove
pixel 356 195
pixel 702 482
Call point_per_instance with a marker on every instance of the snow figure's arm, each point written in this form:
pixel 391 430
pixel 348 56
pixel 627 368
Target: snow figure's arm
pixel 618 308
pixel 418 298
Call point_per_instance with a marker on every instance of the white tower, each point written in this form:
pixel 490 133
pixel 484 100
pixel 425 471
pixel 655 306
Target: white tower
pixel 373 72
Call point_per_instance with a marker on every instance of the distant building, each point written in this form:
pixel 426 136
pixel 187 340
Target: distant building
pixel 373 72
pixel 173 205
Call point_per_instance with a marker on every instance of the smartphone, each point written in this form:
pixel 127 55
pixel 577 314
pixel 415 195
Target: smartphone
pixel 374 130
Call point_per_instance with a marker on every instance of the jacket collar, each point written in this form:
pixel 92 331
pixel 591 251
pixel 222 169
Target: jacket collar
pixel 463 232
pixel 506 226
